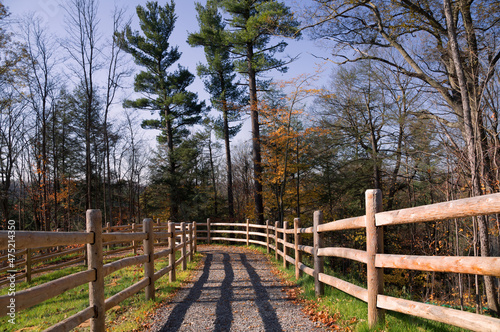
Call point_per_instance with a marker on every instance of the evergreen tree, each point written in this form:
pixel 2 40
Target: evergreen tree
pixel 253 22
pixel 163 90
pixel 219 76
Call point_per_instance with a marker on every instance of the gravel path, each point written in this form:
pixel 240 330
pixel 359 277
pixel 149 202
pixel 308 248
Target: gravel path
pixel 234 290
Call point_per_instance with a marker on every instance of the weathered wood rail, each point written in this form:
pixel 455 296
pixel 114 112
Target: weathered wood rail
pixel 280 240
pixel 283 240
pixel 31 261
pixel 180 237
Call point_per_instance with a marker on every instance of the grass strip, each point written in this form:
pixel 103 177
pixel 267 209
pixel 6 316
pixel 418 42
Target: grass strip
pixel 340 311
pixel 130 315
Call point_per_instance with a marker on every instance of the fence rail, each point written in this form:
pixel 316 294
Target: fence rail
pixel 282 240
pixel 285 239
pixel 29 262
pixel 95 239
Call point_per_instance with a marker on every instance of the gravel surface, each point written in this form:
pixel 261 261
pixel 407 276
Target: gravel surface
pixel 234 290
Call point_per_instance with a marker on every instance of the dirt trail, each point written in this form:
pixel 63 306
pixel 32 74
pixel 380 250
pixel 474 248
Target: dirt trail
pixel 234 290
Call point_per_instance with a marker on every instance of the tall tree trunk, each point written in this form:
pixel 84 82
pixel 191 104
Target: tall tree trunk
pixel 393 187
pixel 373 143
pixel 107 187
pixel 88 161
pixel 45 202
pixel 297 188
pixel 212 170
pixel 470 140
pixel 256 151
pixel 55 170
pixel 229 171
pixel 174 208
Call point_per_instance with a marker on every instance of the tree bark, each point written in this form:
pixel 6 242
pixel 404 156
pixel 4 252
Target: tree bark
pixel 470 140
pixel 174 209
pixel 256 150
pixel 229 171
pixel 212 170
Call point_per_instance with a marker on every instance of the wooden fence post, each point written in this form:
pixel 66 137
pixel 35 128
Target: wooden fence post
pixel 267 236
pixel 298 254
pixel 171 257
pixel 374 245
pixel 108 229
pixel 27 259
pixel 285 226
pixel 134 243
pixel 276 223
pixel 96 287
pixel 58 248
pixel 319 287
pixel 190 233
pixel 149 266
pixel 248 230
pixel 158 223
pixel 183 239
pixel 195 236
pixel 208 230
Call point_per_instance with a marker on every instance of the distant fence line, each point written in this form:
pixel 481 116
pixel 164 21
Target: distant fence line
pixel 277 239
pixel 180 237
pixel 26 261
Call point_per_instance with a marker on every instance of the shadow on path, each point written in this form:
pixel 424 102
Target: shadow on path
pixel 262 300
pixel 224 315
pixel 177 315
pixel 224 311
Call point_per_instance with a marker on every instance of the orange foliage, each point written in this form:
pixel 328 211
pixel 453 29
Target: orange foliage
pixel 284 140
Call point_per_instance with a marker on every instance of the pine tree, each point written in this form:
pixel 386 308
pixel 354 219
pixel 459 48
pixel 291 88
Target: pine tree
pixel 253 22
pixel 219 76
pixel 163 90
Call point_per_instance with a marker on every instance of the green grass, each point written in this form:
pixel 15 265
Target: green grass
pixel 129 315
pixel 56 260
pixel 351 313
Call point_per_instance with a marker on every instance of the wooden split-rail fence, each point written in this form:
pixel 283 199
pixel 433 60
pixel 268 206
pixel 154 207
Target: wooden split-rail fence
pixel 286 239
pixel 282 240
pixel 179 238
pixel 31 261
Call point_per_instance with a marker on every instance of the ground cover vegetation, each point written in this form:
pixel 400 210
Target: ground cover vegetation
pixel 133 314
pixel 412 108
pixel 340 311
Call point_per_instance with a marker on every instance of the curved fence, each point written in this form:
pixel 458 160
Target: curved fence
pixel 283 240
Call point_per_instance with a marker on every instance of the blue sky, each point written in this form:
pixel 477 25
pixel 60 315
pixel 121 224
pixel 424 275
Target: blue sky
pixel 52 14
